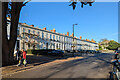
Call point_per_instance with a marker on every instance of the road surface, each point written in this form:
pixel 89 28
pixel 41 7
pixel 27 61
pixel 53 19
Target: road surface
pixel 97 66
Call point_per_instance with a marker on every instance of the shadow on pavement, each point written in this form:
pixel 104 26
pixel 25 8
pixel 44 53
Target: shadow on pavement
pixel 73 63
pixel 32 60
pixel 37 60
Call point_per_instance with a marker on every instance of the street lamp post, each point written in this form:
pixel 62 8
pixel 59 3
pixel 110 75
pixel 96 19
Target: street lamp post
pixel 73 38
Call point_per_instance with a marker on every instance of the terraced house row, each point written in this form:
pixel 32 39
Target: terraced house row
pixel 30 37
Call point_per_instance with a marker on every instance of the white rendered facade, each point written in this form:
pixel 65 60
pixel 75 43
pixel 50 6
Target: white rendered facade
pixel 30 37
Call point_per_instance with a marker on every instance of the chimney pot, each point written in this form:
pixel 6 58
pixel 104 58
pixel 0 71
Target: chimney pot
pixel 54 30
pixel 32 25
pixel 44 28
pixel 67 33
pixel 80 37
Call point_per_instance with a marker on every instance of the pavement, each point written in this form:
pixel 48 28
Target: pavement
pixel 32 61
pixel 84 66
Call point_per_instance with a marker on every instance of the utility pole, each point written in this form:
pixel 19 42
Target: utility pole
pixel 73 38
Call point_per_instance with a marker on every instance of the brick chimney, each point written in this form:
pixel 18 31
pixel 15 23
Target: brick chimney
pixel 44 28
pixel 50 30
pixel 54 30
pixel 80 37
pixel 67 33
pixel 86 39
pixel 92 40
pixel 32 25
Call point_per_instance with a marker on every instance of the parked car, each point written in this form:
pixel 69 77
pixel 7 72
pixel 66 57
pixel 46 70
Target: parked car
pixel 67 51
pixel 80 51
pixel 56 53
pixel 117 55
pixel 88 51
pixel 84 51
pixel 94 51
pixel 72 51
pixel 116 69
pixel 98 51
pixel 118 51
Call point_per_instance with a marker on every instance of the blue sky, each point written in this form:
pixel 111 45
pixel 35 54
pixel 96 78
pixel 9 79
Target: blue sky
pixel 94 22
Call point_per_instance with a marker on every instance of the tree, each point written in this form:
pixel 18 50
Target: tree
pixel 113 45
pixel 73 4
pixel 100 48
pixel 102 40
pixel 11 9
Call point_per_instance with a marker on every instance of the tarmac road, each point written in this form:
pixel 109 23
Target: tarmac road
pixel 97 66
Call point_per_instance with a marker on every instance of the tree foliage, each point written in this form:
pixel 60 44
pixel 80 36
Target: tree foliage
pixel 100 48
pixel 73 4
pixel 113 45
pixel 102 40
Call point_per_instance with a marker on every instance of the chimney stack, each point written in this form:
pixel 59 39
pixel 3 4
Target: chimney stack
pixel 54 30
pixel 92 40
pixel 44 28
pixel 50 30
pixel 80 37
pixel 32 25
pixel 67 33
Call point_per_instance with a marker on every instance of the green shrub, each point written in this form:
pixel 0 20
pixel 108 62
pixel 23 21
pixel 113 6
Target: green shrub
pixel 39 51
pixel 29 51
